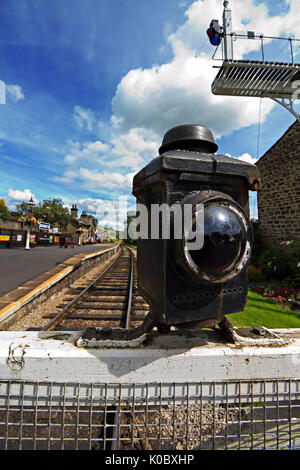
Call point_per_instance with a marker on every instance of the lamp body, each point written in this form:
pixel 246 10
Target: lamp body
pixel 196 287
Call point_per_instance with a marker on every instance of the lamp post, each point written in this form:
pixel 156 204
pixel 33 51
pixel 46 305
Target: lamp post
pixel 29 205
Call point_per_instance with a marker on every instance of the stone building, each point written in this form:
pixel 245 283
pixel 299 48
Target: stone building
pixel 279 195
pixel 81 229
pixel 14 234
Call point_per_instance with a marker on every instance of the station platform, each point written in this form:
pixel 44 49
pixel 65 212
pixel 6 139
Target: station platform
pixel 26 275
pixel 19 266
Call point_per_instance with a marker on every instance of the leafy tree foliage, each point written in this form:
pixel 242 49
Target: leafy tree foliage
pixel 50 210
pixel 3 206
pixel 4 212
pixel 94 220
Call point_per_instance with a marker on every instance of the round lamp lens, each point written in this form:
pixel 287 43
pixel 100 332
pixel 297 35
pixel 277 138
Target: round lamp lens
pixel 224 242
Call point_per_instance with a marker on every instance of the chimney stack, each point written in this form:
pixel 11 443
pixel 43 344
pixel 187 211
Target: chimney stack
pixel 74 211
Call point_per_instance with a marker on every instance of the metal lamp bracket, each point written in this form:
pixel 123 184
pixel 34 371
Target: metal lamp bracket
pixel 288 104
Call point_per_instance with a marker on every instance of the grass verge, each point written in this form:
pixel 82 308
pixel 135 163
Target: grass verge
pixel 262 311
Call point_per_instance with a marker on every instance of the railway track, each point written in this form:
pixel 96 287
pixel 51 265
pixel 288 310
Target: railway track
pixel 110 300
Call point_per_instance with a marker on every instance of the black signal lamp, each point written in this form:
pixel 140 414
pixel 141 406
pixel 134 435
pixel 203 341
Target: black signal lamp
pixel 183 285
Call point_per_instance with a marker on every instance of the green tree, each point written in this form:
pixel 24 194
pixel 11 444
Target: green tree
pixel 3 206
pixel 51 211
pixel 4 212
pixel 94 220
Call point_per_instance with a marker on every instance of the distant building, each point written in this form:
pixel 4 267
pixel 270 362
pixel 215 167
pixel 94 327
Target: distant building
pixel 279 195
pixel 80 229
pixel 101 234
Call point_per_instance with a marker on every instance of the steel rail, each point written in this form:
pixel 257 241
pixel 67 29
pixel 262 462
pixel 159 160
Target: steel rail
pixel 130 289
pixel 64 311
pixel 116 424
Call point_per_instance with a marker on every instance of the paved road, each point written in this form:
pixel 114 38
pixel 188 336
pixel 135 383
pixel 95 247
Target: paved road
pixel 18 266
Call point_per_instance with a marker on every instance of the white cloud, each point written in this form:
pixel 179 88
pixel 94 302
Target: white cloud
pixel 99 180
pixel 132 149
pixel 84 118
pixel 109 213
pixel 96 180
pixel 67 177
pixel 15 92
pixel 91 163
pixel 246 157
pixel 16 196
pixel 179 92
pixel 88 151
pixel 128 150
pixel 257 16
pixel 150 101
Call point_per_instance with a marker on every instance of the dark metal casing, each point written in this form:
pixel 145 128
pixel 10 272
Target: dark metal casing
pixel 176 295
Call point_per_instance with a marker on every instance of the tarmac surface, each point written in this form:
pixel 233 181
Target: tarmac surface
pixel 18 265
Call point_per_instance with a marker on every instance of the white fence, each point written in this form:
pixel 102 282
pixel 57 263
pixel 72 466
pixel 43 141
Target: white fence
pixel 183 391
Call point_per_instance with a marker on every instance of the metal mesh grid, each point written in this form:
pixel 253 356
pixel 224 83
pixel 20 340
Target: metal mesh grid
pixel 253 414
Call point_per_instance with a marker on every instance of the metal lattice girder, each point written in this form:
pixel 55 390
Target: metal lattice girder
pixel 275 80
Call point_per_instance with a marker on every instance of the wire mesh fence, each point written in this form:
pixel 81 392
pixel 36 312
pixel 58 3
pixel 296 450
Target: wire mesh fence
pixel 233 415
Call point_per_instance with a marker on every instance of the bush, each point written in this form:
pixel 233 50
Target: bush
pixel 254 274
pixel 294 277
pixel 277 264
pixel 259 244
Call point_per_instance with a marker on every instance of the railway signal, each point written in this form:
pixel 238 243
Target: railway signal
pixel 215 33
pixel 263 78
pixel 186 285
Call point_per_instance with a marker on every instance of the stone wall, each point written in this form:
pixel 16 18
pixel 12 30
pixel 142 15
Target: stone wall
pixel 279 195
pixel 11 225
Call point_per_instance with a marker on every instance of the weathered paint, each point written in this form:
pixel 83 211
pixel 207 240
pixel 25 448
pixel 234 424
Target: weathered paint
pixel 188 357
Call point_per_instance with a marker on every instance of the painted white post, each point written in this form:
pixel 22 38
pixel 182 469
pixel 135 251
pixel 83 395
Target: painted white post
pixel 27 247
pixel 29 205
pixel 227 25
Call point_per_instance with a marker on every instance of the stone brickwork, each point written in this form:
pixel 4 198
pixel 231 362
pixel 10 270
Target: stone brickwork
pixel 279 195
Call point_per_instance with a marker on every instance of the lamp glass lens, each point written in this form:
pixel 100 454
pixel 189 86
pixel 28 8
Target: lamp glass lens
pixel 224 241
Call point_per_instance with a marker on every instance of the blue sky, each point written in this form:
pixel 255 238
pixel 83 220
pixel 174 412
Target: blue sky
pixel 92 86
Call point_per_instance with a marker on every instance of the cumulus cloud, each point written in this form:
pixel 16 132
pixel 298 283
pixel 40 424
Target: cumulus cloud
pixel 133 148
pixel 127 152
pixel 127 149
pixel 178 92
pixel 67 177
pixel 14 92
pixel 16 196
pixel 87 151
pixel 148 102
pixel 96 180
pixel 109 213
pixel 246 157
pixel 257 17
